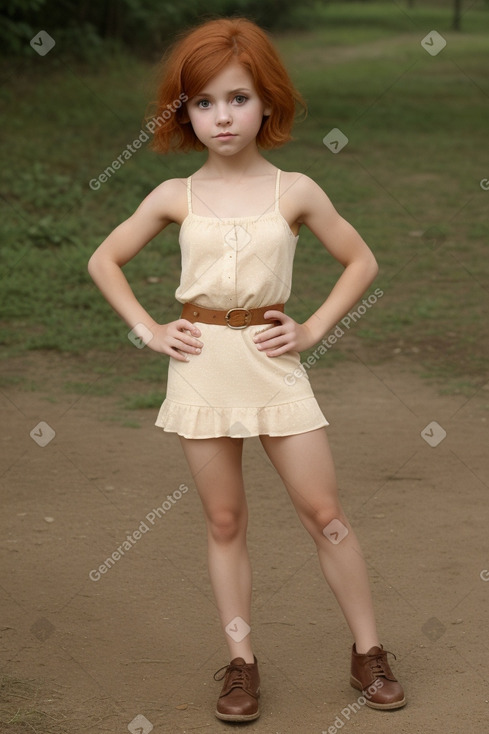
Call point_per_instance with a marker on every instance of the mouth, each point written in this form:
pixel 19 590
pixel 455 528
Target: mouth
pixel 225 135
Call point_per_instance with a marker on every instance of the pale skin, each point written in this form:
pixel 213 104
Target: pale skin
pixel 235 180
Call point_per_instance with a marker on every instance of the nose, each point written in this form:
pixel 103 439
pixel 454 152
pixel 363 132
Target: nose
pixel 223 114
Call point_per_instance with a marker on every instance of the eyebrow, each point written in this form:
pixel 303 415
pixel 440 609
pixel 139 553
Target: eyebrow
pixel 232 91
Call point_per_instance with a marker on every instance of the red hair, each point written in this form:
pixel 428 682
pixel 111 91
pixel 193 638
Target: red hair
pixel 201 54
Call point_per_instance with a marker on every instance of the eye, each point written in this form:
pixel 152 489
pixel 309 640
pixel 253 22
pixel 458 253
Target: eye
pixel 240 98
pixel 203 104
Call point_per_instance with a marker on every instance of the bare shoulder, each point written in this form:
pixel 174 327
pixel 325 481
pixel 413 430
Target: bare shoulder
pixel 303 186
pixel 303 195
pixel 168 201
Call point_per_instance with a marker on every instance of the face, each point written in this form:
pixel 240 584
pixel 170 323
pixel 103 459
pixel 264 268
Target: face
pixel 227 114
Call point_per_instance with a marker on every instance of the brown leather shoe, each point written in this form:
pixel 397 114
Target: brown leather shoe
pixel 371 674
pixel 240 691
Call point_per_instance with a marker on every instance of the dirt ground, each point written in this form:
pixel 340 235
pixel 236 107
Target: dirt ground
pixel 136 647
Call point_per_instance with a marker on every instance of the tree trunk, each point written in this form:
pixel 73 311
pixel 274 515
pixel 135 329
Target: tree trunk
pixel 457 15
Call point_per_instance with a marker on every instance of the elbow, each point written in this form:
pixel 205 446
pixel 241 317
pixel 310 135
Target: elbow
pixel 93 266
pixel 372 267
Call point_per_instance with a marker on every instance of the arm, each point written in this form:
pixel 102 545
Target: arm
pixel 126 240
pixel 345 244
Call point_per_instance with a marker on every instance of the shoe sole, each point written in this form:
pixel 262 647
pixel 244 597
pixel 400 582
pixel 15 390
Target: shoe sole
pixel 237 717
pixel 379 706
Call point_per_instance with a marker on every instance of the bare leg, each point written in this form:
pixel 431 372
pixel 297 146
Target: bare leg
pixel 305 465
pixel 215 464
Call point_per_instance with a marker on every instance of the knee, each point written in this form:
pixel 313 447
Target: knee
pixel 330 522
pixel 227 525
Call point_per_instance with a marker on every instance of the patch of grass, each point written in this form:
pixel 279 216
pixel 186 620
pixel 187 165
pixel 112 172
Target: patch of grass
pixel 96 388
pixel 19 712
pixel 143 402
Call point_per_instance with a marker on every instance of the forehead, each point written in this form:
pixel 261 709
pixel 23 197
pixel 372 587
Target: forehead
pixel 233 76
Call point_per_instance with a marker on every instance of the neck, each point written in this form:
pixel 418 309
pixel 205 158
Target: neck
pixel 248 162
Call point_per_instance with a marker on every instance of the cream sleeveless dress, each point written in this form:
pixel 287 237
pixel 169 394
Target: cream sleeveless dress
pixel 231 388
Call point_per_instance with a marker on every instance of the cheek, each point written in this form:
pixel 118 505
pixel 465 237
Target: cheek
pixel 253 117
pixel 198 122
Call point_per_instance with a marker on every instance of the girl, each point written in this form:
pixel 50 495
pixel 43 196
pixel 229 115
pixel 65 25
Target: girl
pixel 233 349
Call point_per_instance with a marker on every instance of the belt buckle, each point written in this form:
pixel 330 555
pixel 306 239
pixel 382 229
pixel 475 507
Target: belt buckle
pixel 247 317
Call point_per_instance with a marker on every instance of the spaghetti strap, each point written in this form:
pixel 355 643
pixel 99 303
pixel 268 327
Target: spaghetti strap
pixel 277 191
pixel 189 194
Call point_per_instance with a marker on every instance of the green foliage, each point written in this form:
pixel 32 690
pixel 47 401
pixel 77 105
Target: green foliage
pixel 79 28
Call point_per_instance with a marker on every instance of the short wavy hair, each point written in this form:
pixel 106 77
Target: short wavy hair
pixel 197 57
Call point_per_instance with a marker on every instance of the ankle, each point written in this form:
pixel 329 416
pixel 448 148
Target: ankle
pixel 364 647
pixel 248 657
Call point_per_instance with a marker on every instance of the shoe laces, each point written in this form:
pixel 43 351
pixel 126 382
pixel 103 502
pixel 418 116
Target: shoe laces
pixel 239 676
pixel 378 660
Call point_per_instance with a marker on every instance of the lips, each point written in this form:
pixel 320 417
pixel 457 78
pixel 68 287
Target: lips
pixel 225 135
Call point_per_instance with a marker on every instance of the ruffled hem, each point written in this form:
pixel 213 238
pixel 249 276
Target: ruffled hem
pixel 287 419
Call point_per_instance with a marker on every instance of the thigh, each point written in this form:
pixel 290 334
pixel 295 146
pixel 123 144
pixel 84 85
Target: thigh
pixel 216 466
pixel 305 464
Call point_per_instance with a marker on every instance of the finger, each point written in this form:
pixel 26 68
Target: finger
pixel 175 354
pixel 191 346
pixel 279 341
pixel 267 334
pixel 185 324
pixel 169 351
pixel 278 315
pixel 182 352
pixel 277 352
pixel 185 338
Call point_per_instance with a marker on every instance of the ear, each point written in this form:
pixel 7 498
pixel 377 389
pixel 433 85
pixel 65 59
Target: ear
pixel 267 112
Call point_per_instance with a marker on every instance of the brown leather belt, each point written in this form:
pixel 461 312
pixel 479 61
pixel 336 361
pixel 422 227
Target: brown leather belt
pixel 235 318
